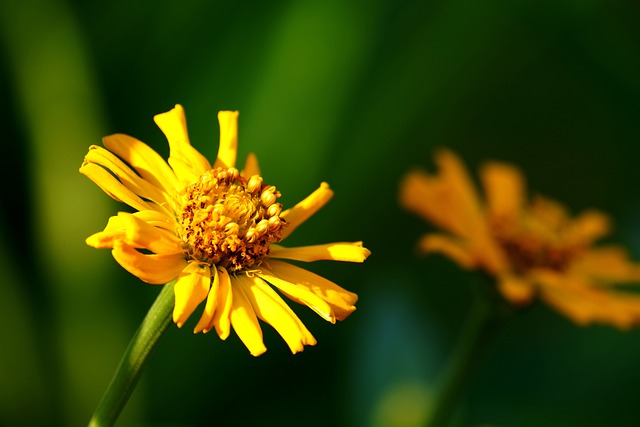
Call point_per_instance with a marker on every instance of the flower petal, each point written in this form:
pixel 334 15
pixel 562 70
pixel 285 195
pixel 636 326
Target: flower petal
pixel 299 294
pixel 610 264
pixel 186 161
pixel 192 287
pixel 136 233
pixel 343 251
pixel 144 160
pixel 548 212
pixel 245 322
pixel 306 208
pixel 585 303
pixel 504 189
pixel 114 188
pixel 228 148
pixel 154 269
pixel 206 320
pixel 126 176
pixel 451 247
pixel 589 226
pixel 269 307
pixel 340 300
pixel 448 199
pixel 221 318
pixel 251 166
pixel 157 219
pixel 515 289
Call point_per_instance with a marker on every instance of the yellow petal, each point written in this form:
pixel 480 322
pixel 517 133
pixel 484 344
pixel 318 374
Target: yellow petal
pixel 269 307
pixel 191 288
pixel 157 219
pixel 306 208
pixel 515 289
pixel 589 226
pixel 504 189
pixel 154 269
pixel 228 149
pixel 141 235
pixel 431 198
pixel 221 318
pixel 341 301
pixel 549 212
pixel 136 233
pixel 114 188
pixel 451 247
pixel 131 180
pixel 105 238
pixel 585 303
pixel 610 264
pixel 299 294
pixel 343 251
pixel 251 166
pixel 144 160
pixel 450 201
pixel 185 160
pixel 245 322
pixel 206 320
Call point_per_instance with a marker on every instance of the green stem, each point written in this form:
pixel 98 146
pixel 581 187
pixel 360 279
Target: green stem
pixel 134 358
pixel 483 324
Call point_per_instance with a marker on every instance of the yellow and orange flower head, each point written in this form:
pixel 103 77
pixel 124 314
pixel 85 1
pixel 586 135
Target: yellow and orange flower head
pixel 533 248
pixel 215 230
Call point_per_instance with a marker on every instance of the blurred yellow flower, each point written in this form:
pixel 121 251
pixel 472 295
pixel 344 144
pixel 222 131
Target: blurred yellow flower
pixel 215 230
pixel 532 248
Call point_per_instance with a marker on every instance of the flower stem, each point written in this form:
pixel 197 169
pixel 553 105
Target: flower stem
pixel 484 323
pixel 133 360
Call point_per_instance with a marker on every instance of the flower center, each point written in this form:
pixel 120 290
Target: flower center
pixel 531 244
pixel 228 220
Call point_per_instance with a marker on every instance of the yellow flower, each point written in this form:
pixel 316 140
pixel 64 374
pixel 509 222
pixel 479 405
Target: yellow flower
pixel 532 248
pixel 215 230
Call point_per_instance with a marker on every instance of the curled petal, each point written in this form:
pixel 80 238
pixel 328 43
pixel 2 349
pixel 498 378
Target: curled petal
pixel 192 287
pixel 114 188
pixel 222 316
pixel 344 251
pixel 228 148
pixel 451 247
pixel 186 161
pixel 449 198
pixel 504 189
pixel 157 219
pixel 148 163
pixel 341 301
pixel 298 214
pixel 206 320
pixel 136 233
pixel 245 322
pixel 154 269
pixel 269 307
pixel 126 176
pixel 299 294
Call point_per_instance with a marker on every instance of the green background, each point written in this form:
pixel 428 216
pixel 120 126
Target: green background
pixel 354 93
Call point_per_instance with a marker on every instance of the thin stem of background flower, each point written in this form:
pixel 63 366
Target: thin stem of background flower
pixel 126 377
pixel 485 321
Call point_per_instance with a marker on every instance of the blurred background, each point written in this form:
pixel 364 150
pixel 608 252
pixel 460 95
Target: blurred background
pixel 353 93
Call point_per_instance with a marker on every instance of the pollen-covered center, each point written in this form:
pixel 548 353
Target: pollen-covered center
pixel 228 220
